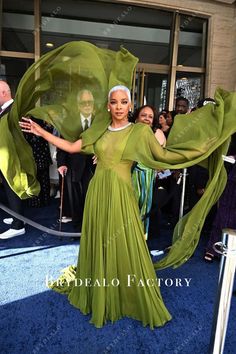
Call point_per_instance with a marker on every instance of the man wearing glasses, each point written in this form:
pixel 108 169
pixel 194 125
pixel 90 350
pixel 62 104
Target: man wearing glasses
pixel 77 168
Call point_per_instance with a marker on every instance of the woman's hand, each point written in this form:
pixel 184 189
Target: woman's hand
pixel 28 126
pixel 62 170
pixel 95 159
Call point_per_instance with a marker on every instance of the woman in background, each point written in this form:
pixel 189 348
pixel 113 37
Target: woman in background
pixel 143 177
pixel 164 118
pixel 43 160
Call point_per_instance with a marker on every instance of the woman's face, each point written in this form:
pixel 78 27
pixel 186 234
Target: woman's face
pixel 162 120
pixel 119 105
pixel 146 115
pixel 169 119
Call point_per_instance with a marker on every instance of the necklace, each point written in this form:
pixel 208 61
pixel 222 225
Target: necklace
pixel 120 128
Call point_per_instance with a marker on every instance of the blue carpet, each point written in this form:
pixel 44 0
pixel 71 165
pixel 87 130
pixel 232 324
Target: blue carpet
pixel 37 320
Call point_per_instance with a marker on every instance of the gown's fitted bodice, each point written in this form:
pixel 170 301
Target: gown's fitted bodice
pixel 109 150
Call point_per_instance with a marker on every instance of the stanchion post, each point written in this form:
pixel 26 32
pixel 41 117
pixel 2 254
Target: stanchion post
pixel 224 292
pixel 181 209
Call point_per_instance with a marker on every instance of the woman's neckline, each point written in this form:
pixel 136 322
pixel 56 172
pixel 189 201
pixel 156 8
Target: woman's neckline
pixel 120 128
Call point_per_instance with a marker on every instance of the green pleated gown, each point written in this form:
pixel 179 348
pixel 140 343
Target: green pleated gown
pixel 115 276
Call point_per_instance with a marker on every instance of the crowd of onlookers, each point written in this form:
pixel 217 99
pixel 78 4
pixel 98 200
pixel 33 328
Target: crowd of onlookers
pixel 158 192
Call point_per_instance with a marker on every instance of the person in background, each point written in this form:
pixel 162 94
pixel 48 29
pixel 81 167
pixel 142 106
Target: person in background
pixel 53 173
pixel 43 160
pixel 162 120
pixel 170 118
pixel 197 180
pixel 142 176
pixel 181 105
pixel 17 227
pixel 205 101
pixel 77 168
pixel 173 183
pixel 226 213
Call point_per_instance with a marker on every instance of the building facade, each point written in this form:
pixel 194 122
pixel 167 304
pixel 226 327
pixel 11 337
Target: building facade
pixel 185 47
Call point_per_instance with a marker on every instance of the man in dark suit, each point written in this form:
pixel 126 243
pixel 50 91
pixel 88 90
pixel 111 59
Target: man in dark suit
pixel 15 203
pixel 175 181
pixel 77 168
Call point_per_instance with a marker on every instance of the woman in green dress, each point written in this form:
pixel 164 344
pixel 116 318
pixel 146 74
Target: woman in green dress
pixel 115 276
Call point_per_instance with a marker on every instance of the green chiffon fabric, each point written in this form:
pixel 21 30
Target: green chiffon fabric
pixel 48 90
pixel 143 182
pixel 201 137
pixel 112 242
pixel 114 256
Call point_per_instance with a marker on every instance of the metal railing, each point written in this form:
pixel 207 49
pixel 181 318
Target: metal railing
pixel 227 249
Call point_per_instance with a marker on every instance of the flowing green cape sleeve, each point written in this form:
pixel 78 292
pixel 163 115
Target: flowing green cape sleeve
pixel 54 82
pixel 201 137
pixel 16 159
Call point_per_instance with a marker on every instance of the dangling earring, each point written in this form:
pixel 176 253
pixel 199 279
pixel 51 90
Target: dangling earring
pixel 130 109
pixel 108 109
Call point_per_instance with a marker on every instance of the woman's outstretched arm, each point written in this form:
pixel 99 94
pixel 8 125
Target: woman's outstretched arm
pixel 28 126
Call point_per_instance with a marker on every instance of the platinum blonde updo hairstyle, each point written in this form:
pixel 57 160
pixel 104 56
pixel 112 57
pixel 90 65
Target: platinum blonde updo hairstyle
pixel 119 88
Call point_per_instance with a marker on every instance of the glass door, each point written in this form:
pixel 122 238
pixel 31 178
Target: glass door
pixel 150 87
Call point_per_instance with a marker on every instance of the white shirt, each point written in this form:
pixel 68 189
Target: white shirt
pixel 89 118
pixel 6 104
